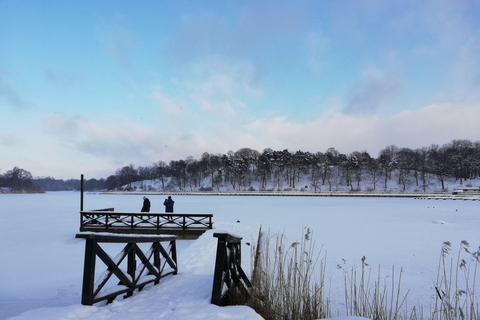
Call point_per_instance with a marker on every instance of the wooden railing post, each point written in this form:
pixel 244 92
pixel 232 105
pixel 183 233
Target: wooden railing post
pixel 228 270
pixel 219 268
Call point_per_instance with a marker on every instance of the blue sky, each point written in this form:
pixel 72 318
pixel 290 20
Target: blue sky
pixel 91 86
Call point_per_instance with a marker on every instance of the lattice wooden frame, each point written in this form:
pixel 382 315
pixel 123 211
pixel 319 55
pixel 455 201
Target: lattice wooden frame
pixel 158 262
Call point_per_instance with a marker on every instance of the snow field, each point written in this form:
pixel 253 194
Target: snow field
pixel 44 265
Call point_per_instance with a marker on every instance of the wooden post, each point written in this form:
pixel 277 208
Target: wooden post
pixel 131 268
pixel 173 245
pixel 156 258
pixel 89 272
pixel 218 274
pixel 228 271
pixel 81 192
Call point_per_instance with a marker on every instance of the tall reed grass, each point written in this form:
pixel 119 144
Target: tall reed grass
pixel 374 298
pixel 284 285
pixel 288 282
pixel 455 285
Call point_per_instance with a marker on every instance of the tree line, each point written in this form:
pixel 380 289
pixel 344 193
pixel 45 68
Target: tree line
pixel 21 180
pixel 329 170
pixel 272 170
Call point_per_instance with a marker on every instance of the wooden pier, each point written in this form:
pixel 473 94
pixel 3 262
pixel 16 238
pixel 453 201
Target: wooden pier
pixel 183 225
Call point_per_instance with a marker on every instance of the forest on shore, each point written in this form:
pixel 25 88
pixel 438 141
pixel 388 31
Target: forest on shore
pixel 281 170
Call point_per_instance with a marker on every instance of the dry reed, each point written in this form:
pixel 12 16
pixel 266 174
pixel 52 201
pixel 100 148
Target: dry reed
pixel 285 285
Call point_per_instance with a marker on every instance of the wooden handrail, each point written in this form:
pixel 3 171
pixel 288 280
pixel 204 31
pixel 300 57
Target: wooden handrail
pixel 101 220
pixel 228 270
pixel 153 264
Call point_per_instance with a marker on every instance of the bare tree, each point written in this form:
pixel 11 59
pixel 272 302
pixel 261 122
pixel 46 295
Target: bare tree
pixel 178 171
pixel 439 163
pixel 111 183
pixel 405 164
pixel 462 155
pixel 18 179
pixel 161 169
pixel 315 170
pixel 264 167
pixel 127 175
pixel 374 171
pixel 388 161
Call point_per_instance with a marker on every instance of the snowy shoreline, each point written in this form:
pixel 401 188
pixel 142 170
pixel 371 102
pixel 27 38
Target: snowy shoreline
pixel 420 195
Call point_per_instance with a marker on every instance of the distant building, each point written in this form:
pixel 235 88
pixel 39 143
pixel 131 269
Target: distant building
pixel 467 190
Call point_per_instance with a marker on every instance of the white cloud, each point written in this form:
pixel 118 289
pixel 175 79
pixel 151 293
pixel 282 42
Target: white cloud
pixel 97 147
pixel 170 106
pixel 61 125
pixel 214 90
pixel 221 76
pixel 375 89
pixel 434 124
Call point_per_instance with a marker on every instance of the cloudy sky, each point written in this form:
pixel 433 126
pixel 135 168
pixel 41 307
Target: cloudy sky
pixel 91 86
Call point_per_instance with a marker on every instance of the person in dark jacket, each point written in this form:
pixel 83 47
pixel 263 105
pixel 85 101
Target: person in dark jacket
pixel 146 205
pixel 168 203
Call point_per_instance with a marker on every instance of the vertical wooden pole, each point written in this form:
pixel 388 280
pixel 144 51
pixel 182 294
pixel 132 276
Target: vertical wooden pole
pixel 132 267
pixel 218 274
pixel 239 254
pixel 174 255
pixel 156 259
pixel 81 192
pixel 89 272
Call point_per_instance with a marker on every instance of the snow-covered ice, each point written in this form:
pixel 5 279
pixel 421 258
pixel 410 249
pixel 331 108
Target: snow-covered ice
pixel 42 265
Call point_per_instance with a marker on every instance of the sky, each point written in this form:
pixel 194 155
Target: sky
pixel 91 86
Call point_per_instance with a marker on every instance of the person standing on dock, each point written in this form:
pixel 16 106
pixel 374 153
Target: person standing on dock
pixel 146 205
pixel 168 203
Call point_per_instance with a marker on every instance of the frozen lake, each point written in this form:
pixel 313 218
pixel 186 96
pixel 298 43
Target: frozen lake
pixel 42 262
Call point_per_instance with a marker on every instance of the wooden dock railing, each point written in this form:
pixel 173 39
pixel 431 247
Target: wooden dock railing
pixel 145 223
pixel 133 267
pixel 229 274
